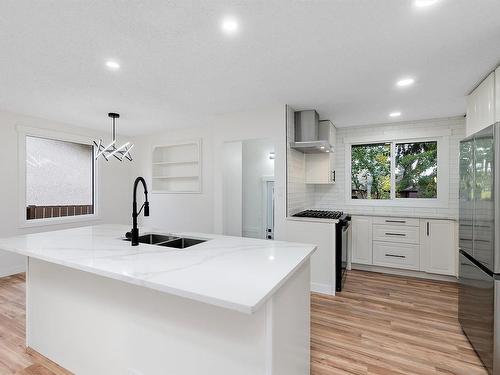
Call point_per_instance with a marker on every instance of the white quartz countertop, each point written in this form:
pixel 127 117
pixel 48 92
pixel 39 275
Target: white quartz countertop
pixel 230 272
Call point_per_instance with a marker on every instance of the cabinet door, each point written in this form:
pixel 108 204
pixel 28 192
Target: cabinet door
pixel 481 106
pixel 319 168
pixel 333 136
pixel 362 240
pixel 437 247
pixel 333 174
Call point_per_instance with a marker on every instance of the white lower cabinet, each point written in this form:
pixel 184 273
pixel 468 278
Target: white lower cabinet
pixel 399 255
pixel 396 233
pixel 361 240
pixel 412 244
pixel 438 247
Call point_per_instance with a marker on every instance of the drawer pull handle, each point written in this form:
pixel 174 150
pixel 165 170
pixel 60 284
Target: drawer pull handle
pixel 396 234
pixel 395 256
pixel 396 221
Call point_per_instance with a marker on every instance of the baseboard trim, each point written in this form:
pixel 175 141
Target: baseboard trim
pixel 46 362
pixel 322 289
pixel 12 270
pixel 400 272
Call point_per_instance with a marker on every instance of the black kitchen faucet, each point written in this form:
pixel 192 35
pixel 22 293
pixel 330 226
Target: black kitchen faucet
pixel 134 233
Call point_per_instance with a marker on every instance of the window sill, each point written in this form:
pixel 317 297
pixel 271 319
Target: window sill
pixel 58 221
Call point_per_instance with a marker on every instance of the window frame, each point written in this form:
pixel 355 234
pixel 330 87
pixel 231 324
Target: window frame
pixel 442 174
pixel 23 133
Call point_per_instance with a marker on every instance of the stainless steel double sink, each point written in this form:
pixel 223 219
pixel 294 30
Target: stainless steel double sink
pixel 168 240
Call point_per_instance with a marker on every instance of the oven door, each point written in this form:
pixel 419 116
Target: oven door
pixel 342 251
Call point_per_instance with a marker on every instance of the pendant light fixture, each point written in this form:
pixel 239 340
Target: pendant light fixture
pixel 111 149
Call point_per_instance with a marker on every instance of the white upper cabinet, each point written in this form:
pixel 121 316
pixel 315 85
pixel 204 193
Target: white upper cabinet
pixel 320 167
pixel 481 106
pixel 497 94
pixel 332 133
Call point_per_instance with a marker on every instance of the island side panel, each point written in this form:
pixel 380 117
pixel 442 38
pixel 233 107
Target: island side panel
pixel 289 324
pixel 94 325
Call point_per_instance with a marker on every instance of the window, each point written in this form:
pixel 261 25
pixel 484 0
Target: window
pixel 394 170
pixel 416 170
pixel 371 171
pixel 59 178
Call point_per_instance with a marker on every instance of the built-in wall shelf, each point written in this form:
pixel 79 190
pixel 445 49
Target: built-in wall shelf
pixel 176 168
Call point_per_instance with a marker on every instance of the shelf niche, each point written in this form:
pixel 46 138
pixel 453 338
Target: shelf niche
pixel 176 168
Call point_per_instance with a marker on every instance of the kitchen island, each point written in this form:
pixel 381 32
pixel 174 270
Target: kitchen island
pixel 230 305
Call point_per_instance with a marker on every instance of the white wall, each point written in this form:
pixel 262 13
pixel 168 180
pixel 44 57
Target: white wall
pixel 256 165
pixel 204 212
pixel 333 196
pixel 233 188
pixel 113 185
pixel 178 212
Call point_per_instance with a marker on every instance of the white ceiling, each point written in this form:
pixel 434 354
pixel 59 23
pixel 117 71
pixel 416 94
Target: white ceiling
pixel 339 56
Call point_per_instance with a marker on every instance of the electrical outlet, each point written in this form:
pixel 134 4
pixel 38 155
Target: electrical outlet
pixel 131 371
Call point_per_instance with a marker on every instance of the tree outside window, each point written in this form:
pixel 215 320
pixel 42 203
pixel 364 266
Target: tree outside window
pixel 371 171
pixel 414 172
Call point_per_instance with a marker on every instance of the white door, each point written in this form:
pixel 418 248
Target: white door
pixel 438 251
pixel 362 240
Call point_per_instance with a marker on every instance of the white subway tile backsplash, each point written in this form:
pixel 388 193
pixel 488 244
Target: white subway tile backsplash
pixel 332 197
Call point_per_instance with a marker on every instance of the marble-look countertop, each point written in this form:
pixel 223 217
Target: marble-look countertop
pixel 230 272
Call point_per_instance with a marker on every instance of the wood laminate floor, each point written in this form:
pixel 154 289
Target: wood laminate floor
pixel 379 325
pixel 382 325
pixel 14 358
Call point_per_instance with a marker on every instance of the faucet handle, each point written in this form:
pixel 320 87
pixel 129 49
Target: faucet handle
pixel 128 235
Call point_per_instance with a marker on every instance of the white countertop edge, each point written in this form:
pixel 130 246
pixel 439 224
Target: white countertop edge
pixel 154 286
pixel 313 220
pixel 282 282
pixel 242 308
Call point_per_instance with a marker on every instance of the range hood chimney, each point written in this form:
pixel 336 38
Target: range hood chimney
pixel 311 134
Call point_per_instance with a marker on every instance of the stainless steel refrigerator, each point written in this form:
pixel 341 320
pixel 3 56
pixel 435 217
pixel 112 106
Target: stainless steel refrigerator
pixel 479 244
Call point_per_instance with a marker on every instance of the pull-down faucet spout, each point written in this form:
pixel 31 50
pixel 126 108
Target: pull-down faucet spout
pixel 134 233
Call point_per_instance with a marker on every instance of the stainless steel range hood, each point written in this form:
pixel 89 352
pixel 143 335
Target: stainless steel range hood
pixel 311 134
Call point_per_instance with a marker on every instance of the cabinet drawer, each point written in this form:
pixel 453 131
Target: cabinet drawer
pixel 398 255
pixel 396 233
pixel 396 221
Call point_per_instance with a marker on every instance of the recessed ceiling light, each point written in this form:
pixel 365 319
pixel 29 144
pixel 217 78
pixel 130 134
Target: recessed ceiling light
pixel 395 114
pixel 113 65
pixel 405 82
pixel 229 25
pixel 424 3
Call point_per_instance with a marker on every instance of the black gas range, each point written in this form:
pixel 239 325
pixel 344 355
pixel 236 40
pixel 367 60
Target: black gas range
pixel 320 214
